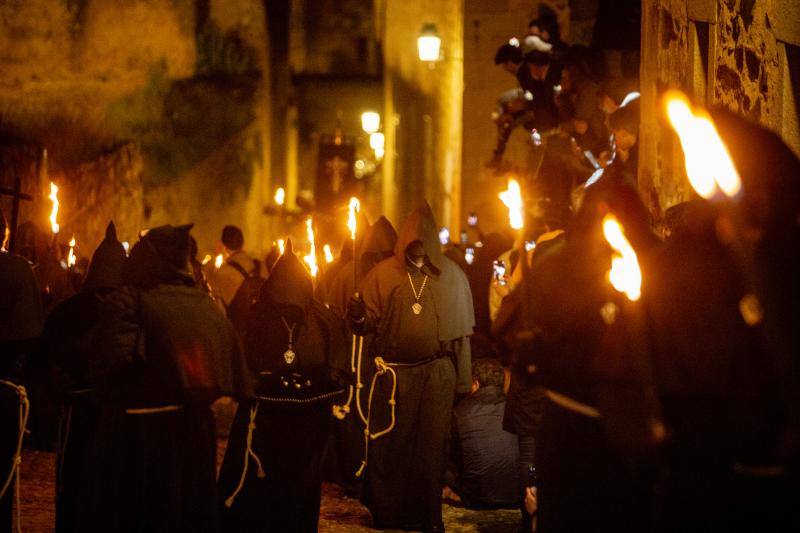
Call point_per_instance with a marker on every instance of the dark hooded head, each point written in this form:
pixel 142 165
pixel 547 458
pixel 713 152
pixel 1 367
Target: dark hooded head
pixel 289 286
pixel 160 257
pixel 108 262
pixel 419 233
pixel 379 242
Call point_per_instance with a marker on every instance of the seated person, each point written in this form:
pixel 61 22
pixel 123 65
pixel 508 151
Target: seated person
pixel 484 457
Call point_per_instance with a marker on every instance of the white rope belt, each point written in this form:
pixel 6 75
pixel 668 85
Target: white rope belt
pixel 153 410
pixel 572 405
pixel 248 452
pixel 16 460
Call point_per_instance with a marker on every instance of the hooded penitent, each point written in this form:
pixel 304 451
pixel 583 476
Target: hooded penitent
pixel 377 245
pixel 289 334
pixel 105 269
pixel 166 340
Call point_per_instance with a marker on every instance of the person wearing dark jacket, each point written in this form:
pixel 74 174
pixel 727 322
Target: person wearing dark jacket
pixel 270 478
pixel 64 353
pixel 162 353
pixel 21 319
pixel 483 455
pixel 419 307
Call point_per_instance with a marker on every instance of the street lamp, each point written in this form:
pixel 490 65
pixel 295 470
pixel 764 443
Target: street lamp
pixel 429 43
pixel 370 121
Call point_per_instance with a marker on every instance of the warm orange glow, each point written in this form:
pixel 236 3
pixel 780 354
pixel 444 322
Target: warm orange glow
pixel 280 196
pixel 352 218
pixel 54 213
pixel 71 259
pixel 708 163
pixel 206 259
pixel 311 258
pixel 625 274
pixel 328 253
pixel 218 261
pixel 512 197
pixel 281 246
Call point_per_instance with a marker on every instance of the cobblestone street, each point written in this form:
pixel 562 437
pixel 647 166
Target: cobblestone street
pixel 339 513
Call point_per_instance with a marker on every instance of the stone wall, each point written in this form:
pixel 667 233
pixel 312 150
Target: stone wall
pixel 738 53
pixel 174 89
pixel 422 109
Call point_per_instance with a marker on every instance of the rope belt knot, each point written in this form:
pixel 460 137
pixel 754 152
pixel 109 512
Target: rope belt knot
pixel 16 459
pixel 248 452
pixel 382 369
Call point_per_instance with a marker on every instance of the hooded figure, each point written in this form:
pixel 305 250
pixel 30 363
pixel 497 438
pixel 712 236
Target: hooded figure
pixel 161 354
pixel 418 307
pixel 270 476
pixel 21 318
pixel 62 369
pixel 328 289
pixel 573 312
pixel 345 451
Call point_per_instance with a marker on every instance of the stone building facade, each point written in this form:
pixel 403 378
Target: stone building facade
pixel 166 98
pixel 743 54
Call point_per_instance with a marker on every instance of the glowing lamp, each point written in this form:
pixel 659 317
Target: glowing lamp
pixel 429 44
pixel 280 196
pixel 370 121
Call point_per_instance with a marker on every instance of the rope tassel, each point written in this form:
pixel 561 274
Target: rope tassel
pixel 251 427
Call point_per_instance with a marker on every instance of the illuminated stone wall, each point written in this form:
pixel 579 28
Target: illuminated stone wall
pixel 179 83
pixel 739 53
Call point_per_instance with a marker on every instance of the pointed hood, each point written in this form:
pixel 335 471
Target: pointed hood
pixel 289 283
pixel 380 240
pixel 108 262
pixel 160 257
pixel 420 225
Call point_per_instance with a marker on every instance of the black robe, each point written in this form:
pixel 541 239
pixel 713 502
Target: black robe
pixel 162 353
pixel 584 482
pixel 21 319
pixel 345 449
pixel 62 368
pixel 270 478
pixel 404 475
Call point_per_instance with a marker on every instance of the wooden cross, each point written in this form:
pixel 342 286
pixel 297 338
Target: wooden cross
pixel 335 167
pixel 17 196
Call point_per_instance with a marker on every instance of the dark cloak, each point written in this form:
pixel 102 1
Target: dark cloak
pixel 291 412
pixel 63 386
pixel 346 447
pixel 399 496
pixel 21 318
pixel 568 290
pixel 161 342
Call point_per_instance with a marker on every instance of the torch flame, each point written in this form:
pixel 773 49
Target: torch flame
pixel 625 274
pixel 207 259
pixel 328 253
pixel 280 196
pixel 512 197
pixel 352 219
pixel 281 246
pixel 218 261
pixel 71 259
pixel 708 163
pixel 54 213
pixel 311 258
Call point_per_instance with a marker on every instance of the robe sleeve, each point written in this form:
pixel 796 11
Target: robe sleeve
pixel 370 291
pixel 463 354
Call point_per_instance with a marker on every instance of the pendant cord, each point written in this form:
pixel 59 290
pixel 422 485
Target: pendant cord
pixel 290 330
pixel 417 295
